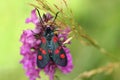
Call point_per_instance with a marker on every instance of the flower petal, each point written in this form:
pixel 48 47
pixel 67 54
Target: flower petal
pixel 34 19
pixel 50 70
pixel 29 56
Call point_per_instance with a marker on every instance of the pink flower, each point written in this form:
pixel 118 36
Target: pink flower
pixel 30 45
pixel 34 19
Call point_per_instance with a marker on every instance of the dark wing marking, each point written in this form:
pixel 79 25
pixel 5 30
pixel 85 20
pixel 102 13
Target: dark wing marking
pixel 43 55
pixel 58 54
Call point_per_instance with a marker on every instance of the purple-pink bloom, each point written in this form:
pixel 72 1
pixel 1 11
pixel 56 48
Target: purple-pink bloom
pixel 29 56
pixel 30 46
pixel 63 34
pixel 34 19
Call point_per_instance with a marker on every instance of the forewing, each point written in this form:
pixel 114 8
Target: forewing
pixel 58 53
pixel 43 55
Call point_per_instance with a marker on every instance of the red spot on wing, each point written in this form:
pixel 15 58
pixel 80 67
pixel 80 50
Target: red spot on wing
pixel 62 56
pixel 55 39
pixel 40 49
pixel 59 47
pixel 43 39
pixel 57 51
pixel 43 52
pixel 40 57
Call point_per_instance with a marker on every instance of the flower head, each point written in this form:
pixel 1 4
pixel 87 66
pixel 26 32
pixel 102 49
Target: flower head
pixel 30 45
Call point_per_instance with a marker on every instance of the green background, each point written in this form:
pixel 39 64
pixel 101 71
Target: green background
pixel 100 18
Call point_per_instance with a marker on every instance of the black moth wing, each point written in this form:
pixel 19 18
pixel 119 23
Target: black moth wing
pixel 58 53
pixel 43 55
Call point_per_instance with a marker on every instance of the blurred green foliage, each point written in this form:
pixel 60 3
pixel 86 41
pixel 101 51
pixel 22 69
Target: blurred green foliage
pixel 100 18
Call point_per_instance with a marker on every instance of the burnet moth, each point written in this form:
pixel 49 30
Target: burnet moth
pixel 50 48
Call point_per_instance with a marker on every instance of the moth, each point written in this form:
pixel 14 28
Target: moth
pixel 50 48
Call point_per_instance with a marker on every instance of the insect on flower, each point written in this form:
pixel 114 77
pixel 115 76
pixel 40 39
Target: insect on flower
pixel 43 47
pixel 50 48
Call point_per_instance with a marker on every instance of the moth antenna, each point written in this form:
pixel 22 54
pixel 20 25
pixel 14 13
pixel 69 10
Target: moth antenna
pixel 55 17
pixel 40 18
